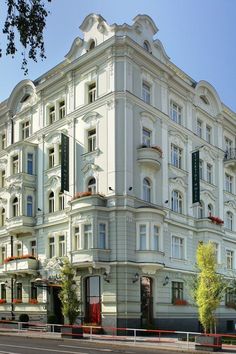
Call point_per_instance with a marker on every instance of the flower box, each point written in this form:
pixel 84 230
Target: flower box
pixel 81 195
pixel 15 258
pixel 180 302
pixel 3 301
pixel 216 220
pixel 33 301
pixel 17 301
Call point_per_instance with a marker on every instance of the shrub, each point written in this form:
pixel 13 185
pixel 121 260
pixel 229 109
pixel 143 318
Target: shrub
pixel 23 317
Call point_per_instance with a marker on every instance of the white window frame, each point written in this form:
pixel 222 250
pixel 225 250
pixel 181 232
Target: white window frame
pixel 229 259
pixel 25 129
pixel 61 245
pixel 199 128
pixel 228 183
pixel 15 207
pixel 51 114
pixel 176 201
pixel 209 134
pixel 51 247
pixel 146 92
pixel 92 139
pixel 142 245
pixel 77 238
pixel 229 220
pixel 102 235
pixel 62 109
pixel 209 173
pixel 87 236
pixel 147 189
pixel 176 156
pixel 176 112
pixel 15 164
pixel 33 248
pixel 146 137
pixel 178 242
pixel 51 157
pixel 92 92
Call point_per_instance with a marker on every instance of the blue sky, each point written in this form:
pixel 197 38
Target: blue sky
pixel 199 37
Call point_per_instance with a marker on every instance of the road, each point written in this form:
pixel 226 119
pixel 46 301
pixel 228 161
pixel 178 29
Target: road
pixel 22 345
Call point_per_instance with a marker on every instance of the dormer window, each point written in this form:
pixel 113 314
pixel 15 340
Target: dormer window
pixel 92 45
pixel 146 46
pixel 204 99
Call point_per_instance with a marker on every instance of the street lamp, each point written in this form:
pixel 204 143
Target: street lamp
pixel 12 296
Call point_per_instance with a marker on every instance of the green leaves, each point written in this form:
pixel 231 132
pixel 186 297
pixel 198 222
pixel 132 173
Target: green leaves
pixel 68 293
pixel 26 20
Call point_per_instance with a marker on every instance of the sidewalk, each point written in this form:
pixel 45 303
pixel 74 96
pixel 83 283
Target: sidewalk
pixel 168 344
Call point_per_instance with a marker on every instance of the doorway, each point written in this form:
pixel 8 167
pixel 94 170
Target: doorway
pixel 93 300
pixel 146 302
pixel 57 305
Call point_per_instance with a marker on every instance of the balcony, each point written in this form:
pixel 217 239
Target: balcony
pixel 20 265
pixel 87 199
pixel 149 156
pixel 20 224
pixel 230 159
pixel 91 255
pixel 208 224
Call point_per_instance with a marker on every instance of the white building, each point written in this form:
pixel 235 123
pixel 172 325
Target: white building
pixel 133 119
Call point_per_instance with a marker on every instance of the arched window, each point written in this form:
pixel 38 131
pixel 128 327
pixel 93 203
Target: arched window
pixel 201 210
pixel 15 207
pixel 176 202
pixel 209 210
pixel 3 217
pixel 147 190
pixel 51 202
pixel 229 220
pixel 61 201
pixel 92 185
pixel 146 46
pixel 29 205
pixel 92 45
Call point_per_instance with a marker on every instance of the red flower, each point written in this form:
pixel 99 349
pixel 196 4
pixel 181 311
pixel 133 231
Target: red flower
pixel 17 301
pixel 33 301
pixel 180 302
pixel 3 301
pixel 81 195
pixel 216 220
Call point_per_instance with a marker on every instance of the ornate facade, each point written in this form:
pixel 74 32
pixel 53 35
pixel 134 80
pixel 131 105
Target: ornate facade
pixel 127 223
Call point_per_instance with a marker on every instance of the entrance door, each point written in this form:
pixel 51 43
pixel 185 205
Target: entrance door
pixel 146 302
pixel 57 304
pixel 92 300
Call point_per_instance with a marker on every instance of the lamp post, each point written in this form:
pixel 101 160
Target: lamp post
pixel 11 287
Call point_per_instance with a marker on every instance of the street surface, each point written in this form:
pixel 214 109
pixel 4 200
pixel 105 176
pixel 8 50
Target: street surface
pixel 22 345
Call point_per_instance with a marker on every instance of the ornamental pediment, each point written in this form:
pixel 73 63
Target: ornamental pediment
pixel 207 195
pixel 230 204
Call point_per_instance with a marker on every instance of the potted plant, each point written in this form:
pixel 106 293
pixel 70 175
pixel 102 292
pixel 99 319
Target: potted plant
pixel 70 302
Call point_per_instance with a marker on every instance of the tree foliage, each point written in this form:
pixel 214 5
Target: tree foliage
pixel 26 20
pixel 209 286
pixel 68 294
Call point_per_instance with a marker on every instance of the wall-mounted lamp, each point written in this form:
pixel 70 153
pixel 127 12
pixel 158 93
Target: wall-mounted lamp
pixel 166 280
pixel 166 201
pixel 106 277
pixel 111 189
pixel 130 188
pixel 136 277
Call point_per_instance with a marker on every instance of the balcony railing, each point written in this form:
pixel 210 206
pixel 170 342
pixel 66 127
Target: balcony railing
pixel 230 158
pixel 24 264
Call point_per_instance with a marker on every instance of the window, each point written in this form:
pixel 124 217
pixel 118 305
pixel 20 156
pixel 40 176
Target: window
pixel 59 154
pixel 51 247
pixel 51 202
pixel 229 220
pixel 209 173
pixel 147 135
pixel 25 129
pixel 92 300
pixel 62 109
pixel 102 236
pixel 52 115
pixel 30 163
pixel 176 156
pixel 29 205
pixel 177 247
pixel 92 45
pixel 19 291
pixel 210 210
pixel 230 296
pixel 15 164
pixel 200 169
pixel 155 242
pixel 92 185
pixel 87 236
pixel 3 253
pixel 77 242
pixel 61 201
pixel 146 190
pixel 15 207
pixel 146 93
pixel 3 292
pixel 201 210
pixel 199 128
pixel 91 140
pixel 51 157
pixel 3 141
pixel 142 237
pixel 3 217
pixel 208 134
pixel 33 291
pixel 3 176
pixel 177 291
pixel 175 112
pixel 33 248
pixel 19 249
pixel 62 246
pixel 228 183
pixel 228 145
pixel 146 46
pixel 229 259
pixel 176 202
pixel 217 252
pixel 92 92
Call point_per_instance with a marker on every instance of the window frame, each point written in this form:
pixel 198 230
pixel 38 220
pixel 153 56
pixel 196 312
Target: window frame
pixel 177 201
pixel 176 112
pixel 146 92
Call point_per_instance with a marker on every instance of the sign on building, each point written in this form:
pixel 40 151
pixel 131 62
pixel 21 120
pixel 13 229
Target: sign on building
pixel 195 177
